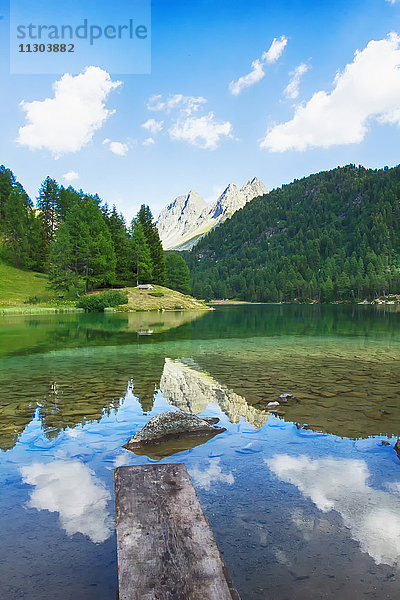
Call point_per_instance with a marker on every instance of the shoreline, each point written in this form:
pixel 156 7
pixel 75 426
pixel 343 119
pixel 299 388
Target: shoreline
pixel 43 310
pixel 59 310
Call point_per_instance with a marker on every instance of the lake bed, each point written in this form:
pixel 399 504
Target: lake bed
pixel 303 502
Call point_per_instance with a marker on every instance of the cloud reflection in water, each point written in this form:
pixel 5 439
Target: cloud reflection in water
pixel 73 490
pixel 372 516
pixel 204 478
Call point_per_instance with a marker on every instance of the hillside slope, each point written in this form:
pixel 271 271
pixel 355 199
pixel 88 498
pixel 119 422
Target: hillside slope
pixel 334 235
pixel 16 285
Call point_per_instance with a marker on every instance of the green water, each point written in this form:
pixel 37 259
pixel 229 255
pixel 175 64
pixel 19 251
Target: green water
pixel 294 496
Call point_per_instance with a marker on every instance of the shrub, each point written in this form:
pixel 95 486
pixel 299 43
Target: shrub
pixel 32 300
pixel 156 294
pixel 98 302
pixel 94 303
pixel 115 297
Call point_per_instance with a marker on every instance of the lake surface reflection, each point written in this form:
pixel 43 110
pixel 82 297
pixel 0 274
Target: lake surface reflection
pixel 304 501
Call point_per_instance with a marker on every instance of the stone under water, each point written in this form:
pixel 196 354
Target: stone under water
pixel 171 426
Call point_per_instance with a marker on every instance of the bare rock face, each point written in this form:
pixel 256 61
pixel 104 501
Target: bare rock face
pixel 188 218
pixel 172 425
pixel 176 221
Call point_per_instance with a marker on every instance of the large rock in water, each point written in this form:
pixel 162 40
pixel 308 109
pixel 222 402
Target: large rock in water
pixel 173 425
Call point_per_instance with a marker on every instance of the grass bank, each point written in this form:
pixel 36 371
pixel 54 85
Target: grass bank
pixel 27 292
pixel 34 309
pixel 161 298
pixel 17 286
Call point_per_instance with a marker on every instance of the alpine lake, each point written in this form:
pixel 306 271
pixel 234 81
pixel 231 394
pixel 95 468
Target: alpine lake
pixel 304 500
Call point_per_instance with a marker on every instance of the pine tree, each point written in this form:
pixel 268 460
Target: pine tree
pixel 67 255
pixel 120 238
pixel 16 236
pixel 177 273
pixel 101 261
pixel 67 197
pixel 145 217
pixel 82 254
pixel 328 290
pixel 141 258
pixel 207 292
pixel 37 251
pixel 7 181
pixel 48 205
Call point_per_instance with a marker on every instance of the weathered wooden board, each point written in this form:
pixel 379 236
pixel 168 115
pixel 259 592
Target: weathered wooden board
pixel 166 549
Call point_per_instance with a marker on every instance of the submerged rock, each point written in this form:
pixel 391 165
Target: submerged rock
pixel 173 425
pixel 286 397
pixel 273 405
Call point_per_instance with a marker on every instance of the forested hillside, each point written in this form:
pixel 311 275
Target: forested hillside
pixel 79 242
pixel 331 236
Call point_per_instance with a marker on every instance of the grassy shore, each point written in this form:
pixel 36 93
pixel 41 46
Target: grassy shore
pixel 161 298
pixel 26 292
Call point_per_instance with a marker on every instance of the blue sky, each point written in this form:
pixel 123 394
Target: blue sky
pixel 223 113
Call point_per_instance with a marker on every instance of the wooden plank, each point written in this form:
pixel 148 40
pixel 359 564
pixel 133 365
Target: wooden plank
pixel 166 549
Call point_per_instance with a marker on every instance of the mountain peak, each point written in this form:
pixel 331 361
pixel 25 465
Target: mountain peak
pixel 253 189
pixel 229 202
pixel 175 220
pixel 254 181
pixel 189 217
pixel 230 187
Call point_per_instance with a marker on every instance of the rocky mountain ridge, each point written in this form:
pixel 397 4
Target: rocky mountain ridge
pixel 185 220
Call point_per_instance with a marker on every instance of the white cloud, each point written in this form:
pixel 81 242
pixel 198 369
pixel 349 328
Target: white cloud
pixel 153 126
pixel 292 89
pixel 68 121
pixel 73 490
pixel 204 131
pixel 201 130
pixel 275 51
pixel 156 102
pixel 371 515
pixel 368 89
pixel 70 176
pixel 118 148
pixel 186 104
pixel 210 475
pixel 257 73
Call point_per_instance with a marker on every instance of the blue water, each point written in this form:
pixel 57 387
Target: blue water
pixel 304 503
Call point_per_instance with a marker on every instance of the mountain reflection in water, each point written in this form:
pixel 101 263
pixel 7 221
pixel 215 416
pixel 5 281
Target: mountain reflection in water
pixel 298 511
pixel 346 388
pixel 185 386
